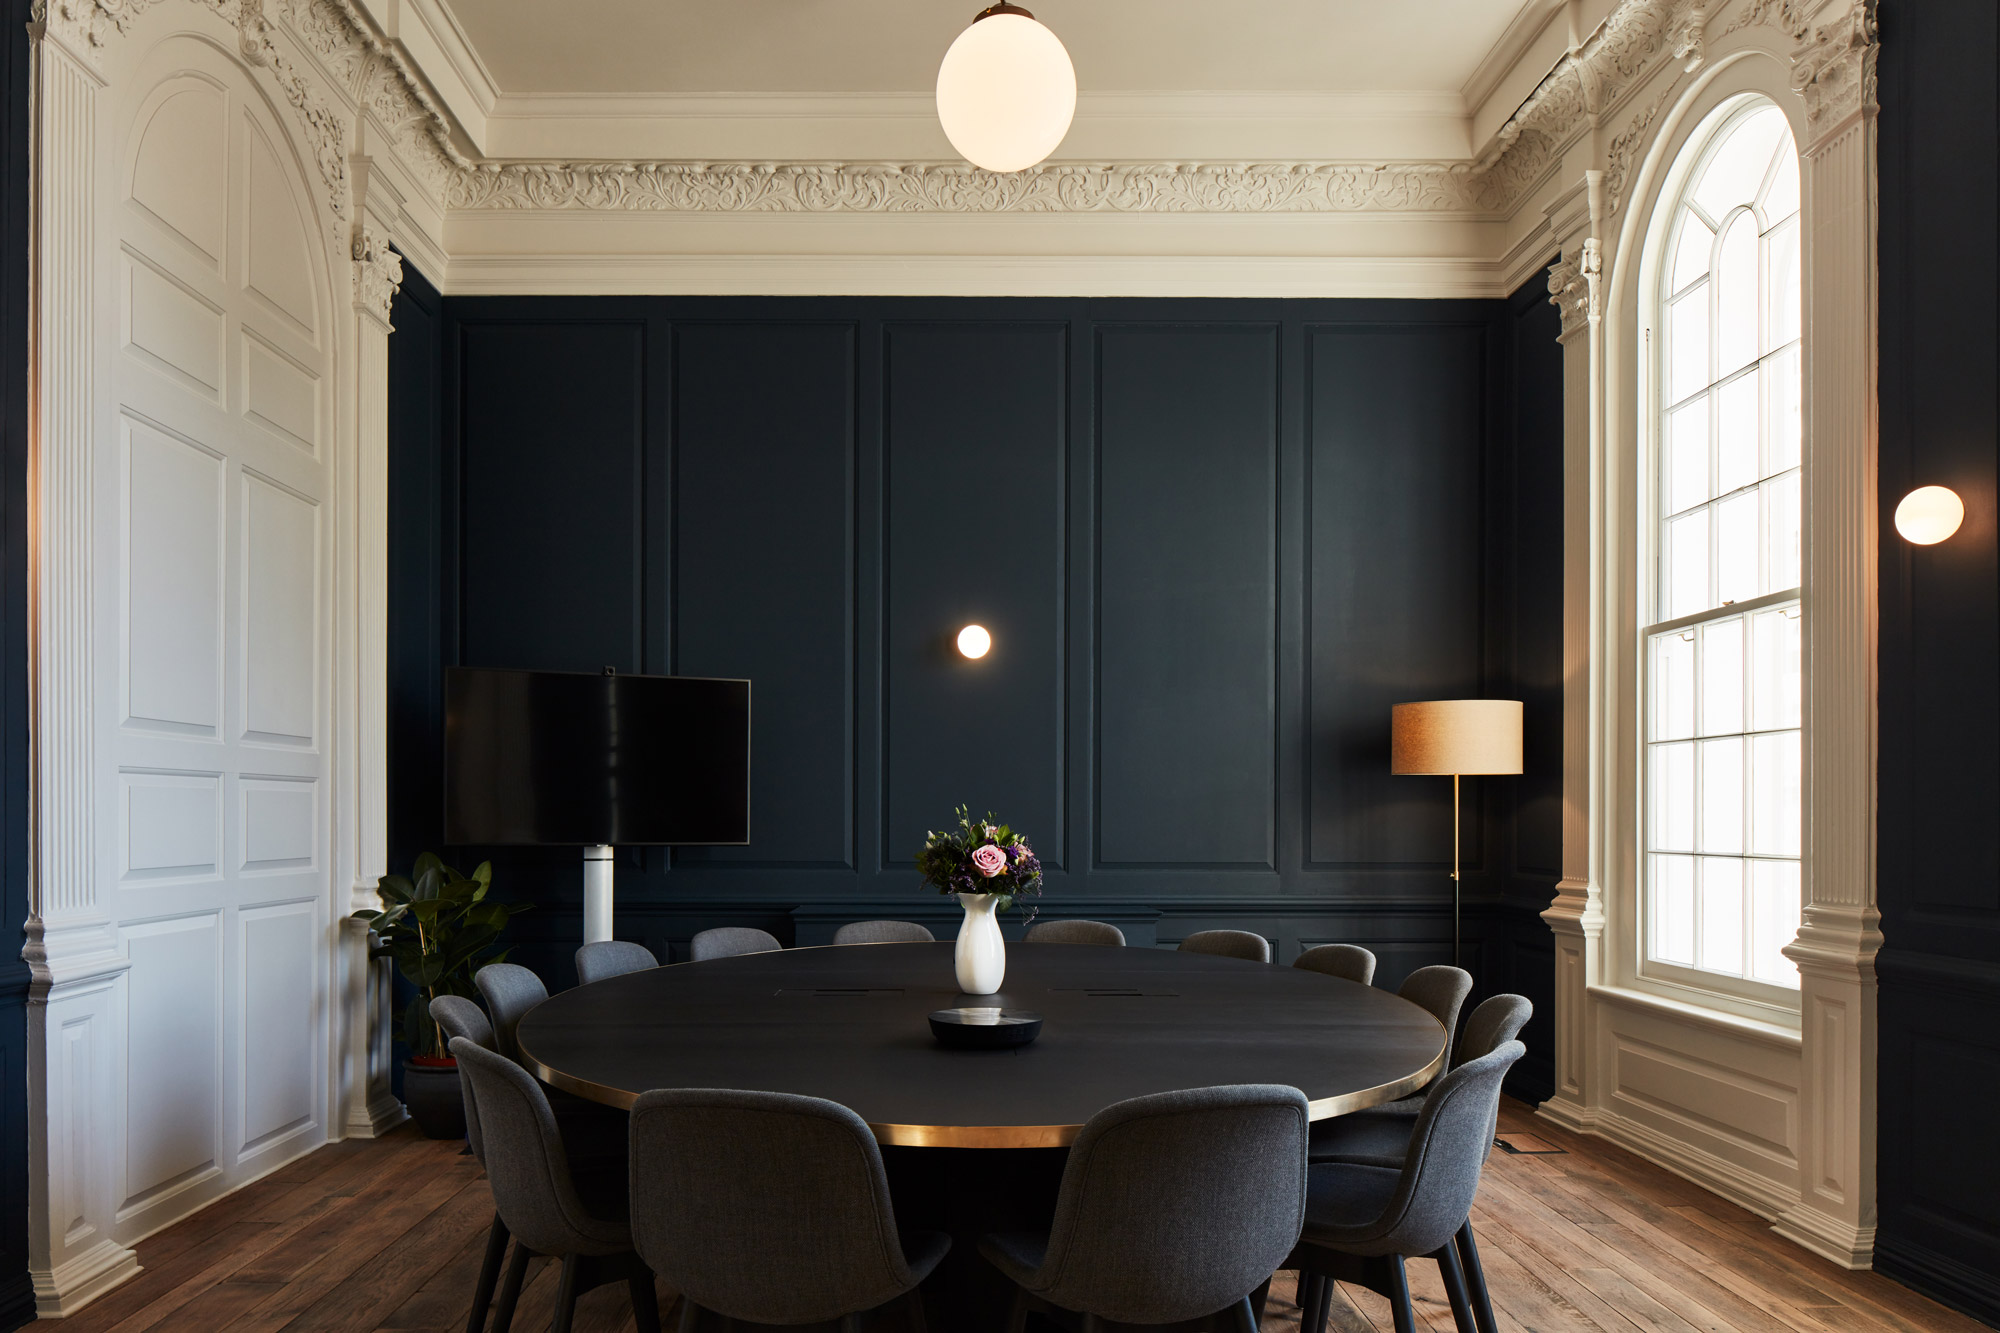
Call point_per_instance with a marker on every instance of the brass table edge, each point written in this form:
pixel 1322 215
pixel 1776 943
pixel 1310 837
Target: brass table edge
pixel 999 1136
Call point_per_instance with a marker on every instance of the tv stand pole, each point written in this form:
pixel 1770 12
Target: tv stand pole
pixel 597 872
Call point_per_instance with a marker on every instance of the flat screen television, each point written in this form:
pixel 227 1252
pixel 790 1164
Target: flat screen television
pixel 564 758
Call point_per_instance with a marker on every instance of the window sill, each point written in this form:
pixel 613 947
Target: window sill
pixel 1734 1025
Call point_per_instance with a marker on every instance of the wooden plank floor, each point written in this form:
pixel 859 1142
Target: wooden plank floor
pixel 388 1234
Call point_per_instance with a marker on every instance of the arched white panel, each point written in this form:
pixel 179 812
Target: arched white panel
pixel 277 246
pixel 180 173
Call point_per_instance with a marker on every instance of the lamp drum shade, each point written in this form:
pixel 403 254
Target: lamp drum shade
pixel 1460 736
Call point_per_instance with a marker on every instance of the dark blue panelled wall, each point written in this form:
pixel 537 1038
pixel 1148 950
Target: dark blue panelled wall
pixel 1939 849
pixel 17 1300
pixel 1213 542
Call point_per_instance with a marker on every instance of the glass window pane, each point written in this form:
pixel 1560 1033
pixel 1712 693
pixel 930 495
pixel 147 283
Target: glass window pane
pixel 1687 457
pixel 1722 795
pixel 1781 196
pixel 1687 330
pixel 1673 685
pixel 1736 563
pixel 1736 457
pixel 1672 789
pixel 1774 668
pixel 1782 283
pixel 1738 294
pixel 1774 920
pixel 1782 418
pixel 1721 915
pixel 1735 175
pixel 1782 537
pixel 1692 254
pixel 1685 565
pixel 1774 798
pixel 1722 678
pixel 1673 909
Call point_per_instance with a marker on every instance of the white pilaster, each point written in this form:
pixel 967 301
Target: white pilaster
pixel 1834 69
pixel 74 1061
pixel 1576 917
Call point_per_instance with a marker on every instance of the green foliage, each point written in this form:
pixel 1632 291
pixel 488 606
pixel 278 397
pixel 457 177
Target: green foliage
pixel 440 928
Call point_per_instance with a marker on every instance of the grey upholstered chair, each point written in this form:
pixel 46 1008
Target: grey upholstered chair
pixel 583 1219
pixel 1177 1206
pixel 1229 944
pixel 1075 932
pixel 463 1020
pixel 770 1208
pixel 1365 1217
pixel 883 932
pixel 1384 1133
pixel 1441 990
pixel 603 959
pixel 1349 962
pixel 510 991
pixel 729 941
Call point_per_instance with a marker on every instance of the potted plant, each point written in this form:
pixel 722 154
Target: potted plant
pixel 986 866
pixel 440 928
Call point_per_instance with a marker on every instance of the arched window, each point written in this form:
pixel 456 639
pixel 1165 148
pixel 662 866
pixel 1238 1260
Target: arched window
pixel 1721 601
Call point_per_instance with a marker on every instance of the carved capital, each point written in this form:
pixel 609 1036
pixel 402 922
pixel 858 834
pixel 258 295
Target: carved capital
pixel 1833 69
pixel 84 26
pixel 1573 283
pixel 1690 41
pixel 378 275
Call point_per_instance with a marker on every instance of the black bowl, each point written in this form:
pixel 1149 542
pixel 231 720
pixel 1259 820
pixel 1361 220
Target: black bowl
pixel 985 1028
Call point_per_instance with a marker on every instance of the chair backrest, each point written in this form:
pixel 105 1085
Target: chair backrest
pixel 460 1017
pixel 525 1161
pixel 1229 944
pixel 729 941
pixel 1499 1018
pixel 1349 962
pixel 763 1206
pixel 510 991
pixel 883 932
pixel 1075 932
pixel 601 959
pixel 1176 1205
pixel 1447 1152
pixel 1442 991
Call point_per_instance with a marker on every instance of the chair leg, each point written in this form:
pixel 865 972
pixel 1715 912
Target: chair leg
pixel 510 1289
pixel 645 1302
pixel 1399 1295
pixel 1316 1304
pixel 1258 1300
pixel 1017 1317
pixel 1454 1287
pixel 1245 1316
pixel 690 1315
pixel 913 1309
pixel 489 1276
pixel 566 1294
pixel 1475 1279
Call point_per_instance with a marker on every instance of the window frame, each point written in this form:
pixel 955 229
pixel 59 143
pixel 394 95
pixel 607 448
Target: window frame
pixel 1743 995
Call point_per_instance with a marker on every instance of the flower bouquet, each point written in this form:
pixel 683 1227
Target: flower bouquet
pixel 986 866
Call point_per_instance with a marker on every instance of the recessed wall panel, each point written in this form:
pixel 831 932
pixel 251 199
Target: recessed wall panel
pixel 280 612
pixel 171 1071
pixel 173 586
pixel 172 824
pixel 279 823
pixel 1187 592
pixel 171 328
pixel 280 969
pixel 764 566
pixel 976 427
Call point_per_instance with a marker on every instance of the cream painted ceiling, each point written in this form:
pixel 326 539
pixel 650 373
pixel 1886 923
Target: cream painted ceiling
pixel 893 46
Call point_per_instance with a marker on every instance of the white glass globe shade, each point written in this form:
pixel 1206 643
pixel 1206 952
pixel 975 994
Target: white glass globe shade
pixel 1929 514
pixel 973 641
pixel 1006 93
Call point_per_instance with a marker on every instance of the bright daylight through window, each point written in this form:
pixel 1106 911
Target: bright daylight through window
pixel 1722 701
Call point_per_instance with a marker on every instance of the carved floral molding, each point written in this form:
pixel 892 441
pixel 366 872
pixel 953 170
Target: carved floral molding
pixel 378 275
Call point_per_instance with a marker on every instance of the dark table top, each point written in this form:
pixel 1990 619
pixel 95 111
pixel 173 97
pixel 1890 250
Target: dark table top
pixel 848 1023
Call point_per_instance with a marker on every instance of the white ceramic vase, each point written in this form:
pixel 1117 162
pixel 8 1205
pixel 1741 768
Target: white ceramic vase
pixel 981 955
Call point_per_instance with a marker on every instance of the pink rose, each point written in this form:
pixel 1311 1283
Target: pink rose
pixel 989 860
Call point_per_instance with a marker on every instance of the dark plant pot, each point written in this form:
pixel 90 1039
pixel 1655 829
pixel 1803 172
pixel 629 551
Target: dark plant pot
pixel 436 1104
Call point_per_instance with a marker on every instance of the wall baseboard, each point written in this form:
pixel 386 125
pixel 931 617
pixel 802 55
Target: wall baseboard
pixel 1828 1237
pixel 1969 1290
pixel 1712 1173
pixel 65 1290
pixel 17 1302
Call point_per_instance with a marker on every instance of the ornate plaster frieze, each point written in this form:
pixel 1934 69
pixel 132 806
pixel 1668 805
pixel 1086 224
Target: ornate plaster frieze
pixel 1625 149
pixel 378 274
pixel 1573 281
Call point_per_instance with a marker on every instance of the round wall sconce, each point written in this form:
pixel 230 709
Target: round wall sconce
pixel 974 641
pixel 1929 514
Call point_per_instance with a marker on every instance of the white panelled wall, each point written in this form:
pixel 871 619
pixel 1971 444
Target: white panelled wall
pixel 217 187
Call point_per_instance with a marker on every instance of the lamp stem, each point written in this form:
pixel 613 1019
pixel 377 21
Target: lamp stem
pixel 1454 871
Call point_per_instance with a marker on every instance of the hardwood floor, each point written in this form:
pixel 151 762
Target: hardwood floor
pixel 387 1235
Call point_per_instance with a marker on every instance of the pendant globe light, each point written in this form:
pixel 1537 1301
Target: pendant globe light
pixel 1006 91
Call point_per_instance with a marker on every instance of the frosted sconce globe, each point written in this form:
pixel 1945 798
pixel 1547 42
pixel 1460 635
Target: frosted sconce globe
pixel 973 641
pixel 1006 91
pixel 1929 514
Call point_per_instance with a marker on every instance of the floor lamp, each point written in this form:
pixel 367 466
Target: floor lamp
pixel 1462 737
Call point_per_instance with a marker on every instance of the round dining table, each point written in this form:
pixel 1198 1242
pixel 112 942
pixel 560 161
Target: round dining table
pixel 974 1140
